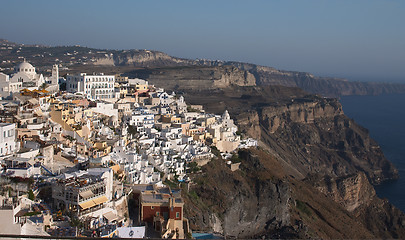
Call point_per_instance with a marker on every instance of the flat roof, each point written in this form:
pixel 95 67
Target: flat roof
pixel 143 187
pixel 154 198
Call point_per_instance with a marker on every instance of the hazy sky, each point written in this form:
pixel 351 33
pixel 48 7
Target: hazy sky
pixel 358 39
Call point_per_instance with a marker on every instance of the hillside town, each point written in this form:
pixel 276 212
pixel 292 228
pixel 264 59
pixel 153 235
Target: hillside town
pixel 100 155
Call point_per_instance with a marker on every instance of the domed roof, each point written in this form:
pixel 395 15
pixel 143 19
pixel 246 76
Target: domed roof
pixel 24 67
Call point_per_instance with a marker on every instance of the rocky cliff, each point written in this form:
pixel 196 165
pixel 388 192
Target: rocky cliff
pixel 247 203
pixel 194 78
pixel 141 58
pixel 267 76
pixel 262 200
pixel 254 205
pixel 315 136
pixel 326 86
pixel 351 191
pixel 357 195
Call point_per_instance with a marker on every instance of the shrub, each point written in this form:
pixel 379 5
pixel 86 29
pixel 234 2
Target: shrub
pixel 31 195
pixel 302 207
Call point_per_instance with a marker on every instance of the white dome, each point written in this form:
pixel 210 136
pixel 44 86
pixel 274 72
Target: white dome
pixel 25 67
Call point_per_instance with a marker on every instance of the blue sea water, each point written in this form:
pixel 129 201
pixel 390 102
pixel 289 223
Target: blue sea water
pixel 384 117
pixel 205 236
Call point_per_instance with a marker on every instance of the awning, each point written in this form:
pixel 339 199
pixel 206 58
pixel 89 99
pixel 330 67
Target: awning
pixel 86 194
pixel 110 216
pixel 100 200
pixel 87 204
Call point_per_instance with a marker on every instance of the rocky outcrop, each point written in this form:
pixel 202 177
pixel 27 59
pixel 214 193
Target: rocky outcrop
pixel 351 191
pixel 196 78
pixel 246 204
pixel 145 58
pixel 302 111
pixel 357 195
pixel 326 86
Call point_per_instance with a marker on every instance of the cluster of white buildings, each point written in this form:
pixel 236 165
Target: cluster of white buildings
pixel 168 132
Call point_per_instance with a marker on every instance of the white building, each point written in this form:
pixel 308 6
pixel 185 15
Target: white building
pixel 224 133
pixel 105 108
pixel 7 138
pixel 53 80
pixel 4 85
pixel 83 191
pixel 24 76
pixel 92 86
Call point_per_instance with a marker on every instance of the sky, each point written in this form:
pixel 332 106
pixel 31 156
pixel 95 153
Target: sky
pixel 355 39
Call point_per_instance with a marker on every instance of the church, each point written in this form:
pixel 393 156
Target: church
pixel 26 77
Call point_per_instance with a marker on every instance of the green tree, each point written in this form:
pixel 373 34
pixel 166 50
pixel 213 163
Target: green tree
pixel 31 195
pixel 43 86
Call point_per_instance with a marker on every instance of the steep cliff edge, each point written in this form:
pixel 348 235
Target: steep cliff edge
pixel 195 78
pixel 261 200
pixel 267 76
pixel 243 205
pixel 315 136
pixel 355 194
pixel 326 86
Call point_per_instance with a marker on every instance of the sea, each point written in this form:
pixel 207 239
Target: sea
pixel 384 117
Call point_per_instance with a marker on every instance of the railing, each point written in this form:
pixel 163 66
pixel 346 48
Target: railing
pixel 93 197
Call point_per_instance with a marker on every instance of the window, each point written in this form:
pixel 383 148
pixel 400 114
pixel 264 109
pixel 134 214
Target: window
pixel 152 207
pixel 157 214
pixel 177 215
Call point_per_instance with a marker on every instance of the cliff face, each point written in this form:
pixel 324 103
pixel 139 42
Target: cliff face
pixel 261 200
pixel 301 111
pixel 357 195
pixel 351 191
pixel 243 205
pixel 326 86
pixel 267 76
pixel 141 58
pixel 195 78
pixel 314 135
